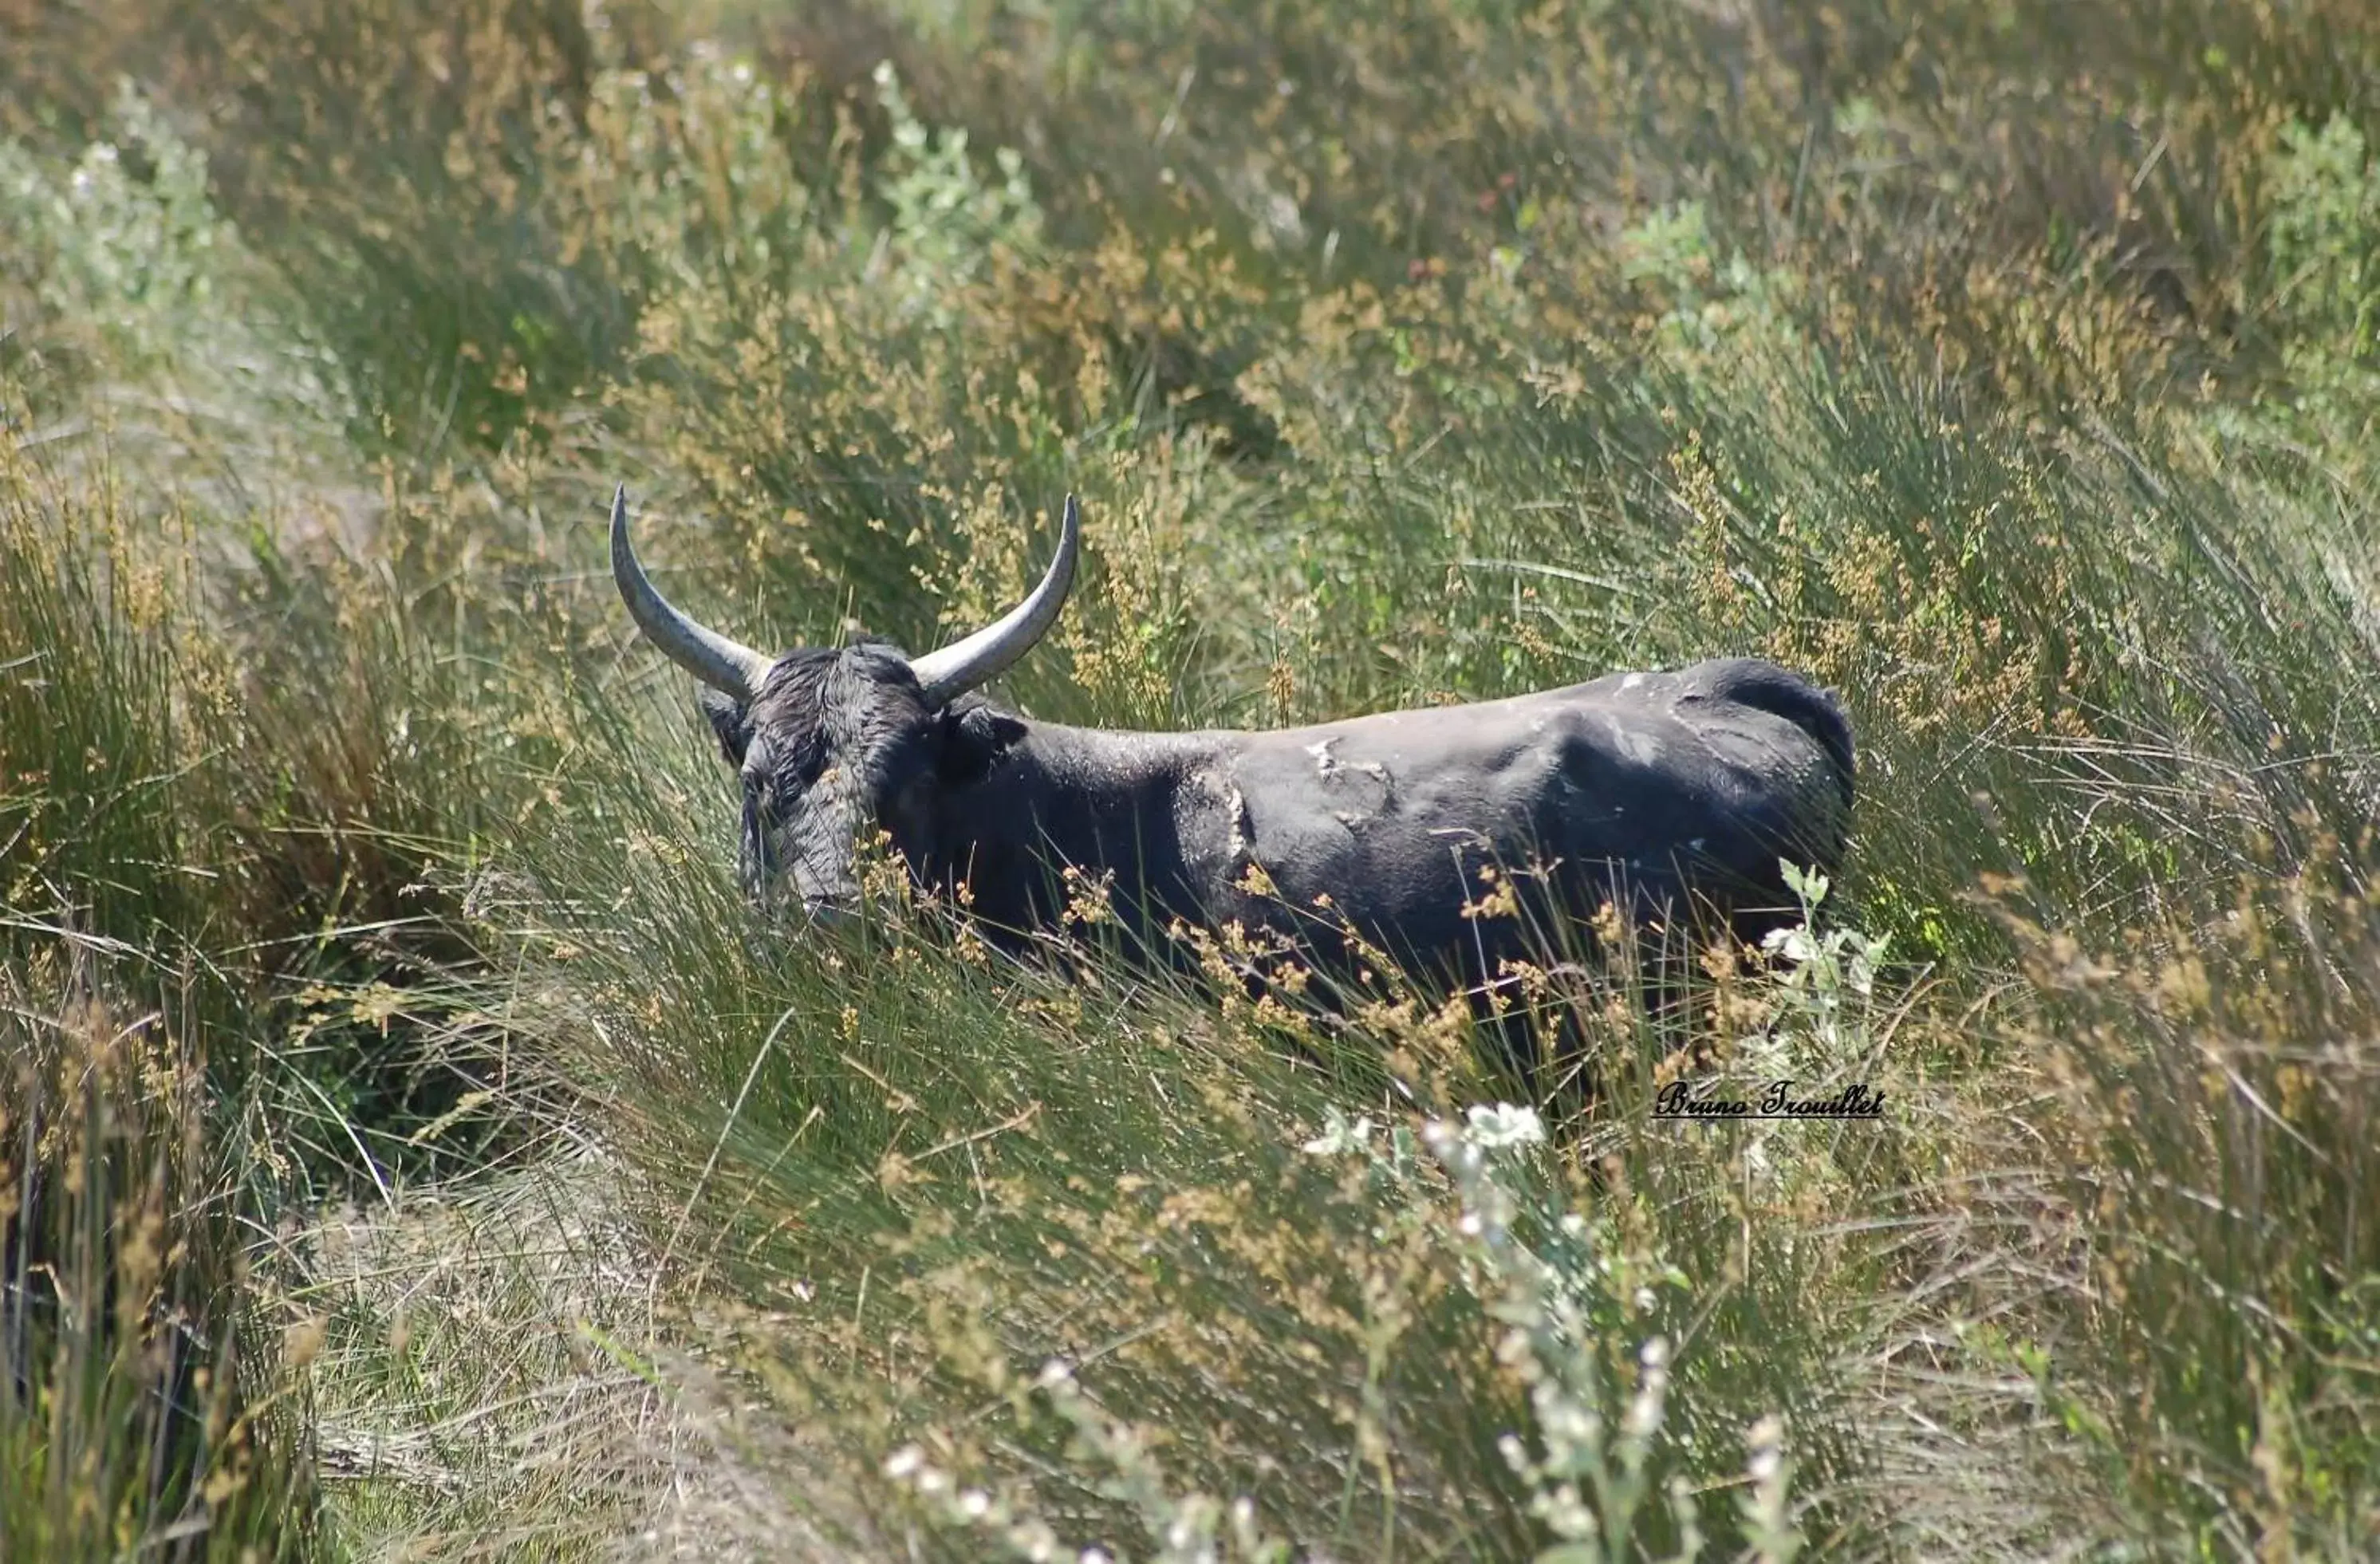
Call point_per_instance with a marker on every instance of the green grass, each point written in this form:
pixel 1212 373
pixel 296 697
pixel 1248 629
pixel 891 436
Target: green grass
pixel 381 1024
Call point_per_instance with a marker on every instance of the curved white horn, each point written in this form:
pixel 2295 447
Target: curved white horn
pixel 725 665
pixel 946 674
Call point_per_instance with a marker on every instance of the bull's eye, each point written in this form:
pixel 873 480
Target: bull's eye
pixel 766 810
pixel 768 800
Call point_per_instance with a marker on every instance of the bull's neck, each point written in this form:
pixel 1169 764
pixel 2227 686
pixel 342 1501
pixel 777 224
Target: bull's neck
pixel 1063 796
pixel 1109 757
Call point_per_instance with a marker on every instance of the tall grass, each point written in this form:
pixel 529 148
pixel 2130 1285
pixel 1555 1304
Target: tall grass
pixel 142 1407
pixel 2009 368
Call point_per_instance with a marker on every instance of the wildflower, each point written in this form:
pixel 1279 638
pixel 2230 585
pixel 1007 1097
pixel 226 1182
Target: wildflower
pixel 1503 1124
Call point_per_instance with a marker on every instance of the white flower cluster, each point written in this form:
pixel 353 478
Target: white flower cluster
pixel 1187 1529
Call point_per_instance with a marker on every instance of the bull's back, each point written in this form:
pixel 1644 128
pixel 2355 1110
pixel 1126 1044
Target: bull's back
pixel 1657 788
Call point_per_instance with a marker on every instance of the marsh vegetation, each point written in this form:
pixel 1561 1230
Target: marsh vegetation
pixel 409 1147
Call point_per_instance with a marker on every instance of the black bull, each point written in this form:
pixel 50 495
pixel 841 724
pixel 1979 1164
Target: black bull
pixel 1673 795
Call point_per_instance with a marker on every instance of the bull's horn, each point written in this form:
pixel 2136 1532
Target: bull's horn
pixel 946 674
pixel 723 664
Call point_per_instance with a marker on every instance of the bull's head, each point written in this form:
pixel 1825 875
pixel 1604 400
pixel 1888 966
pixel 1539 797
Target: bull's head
pixel 835 744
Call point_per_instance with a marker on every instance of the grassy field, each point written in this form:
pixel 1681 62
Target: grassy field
pixel 410 1148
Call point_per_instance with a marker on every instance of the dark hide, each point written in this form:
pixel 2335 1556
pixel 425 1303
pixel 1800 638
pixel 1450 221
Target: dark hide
pixel 1671 794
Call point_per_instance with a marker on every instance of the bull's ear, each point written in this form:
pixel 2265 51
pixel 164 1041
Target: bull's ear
pixel 731 720
pixel 972 738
